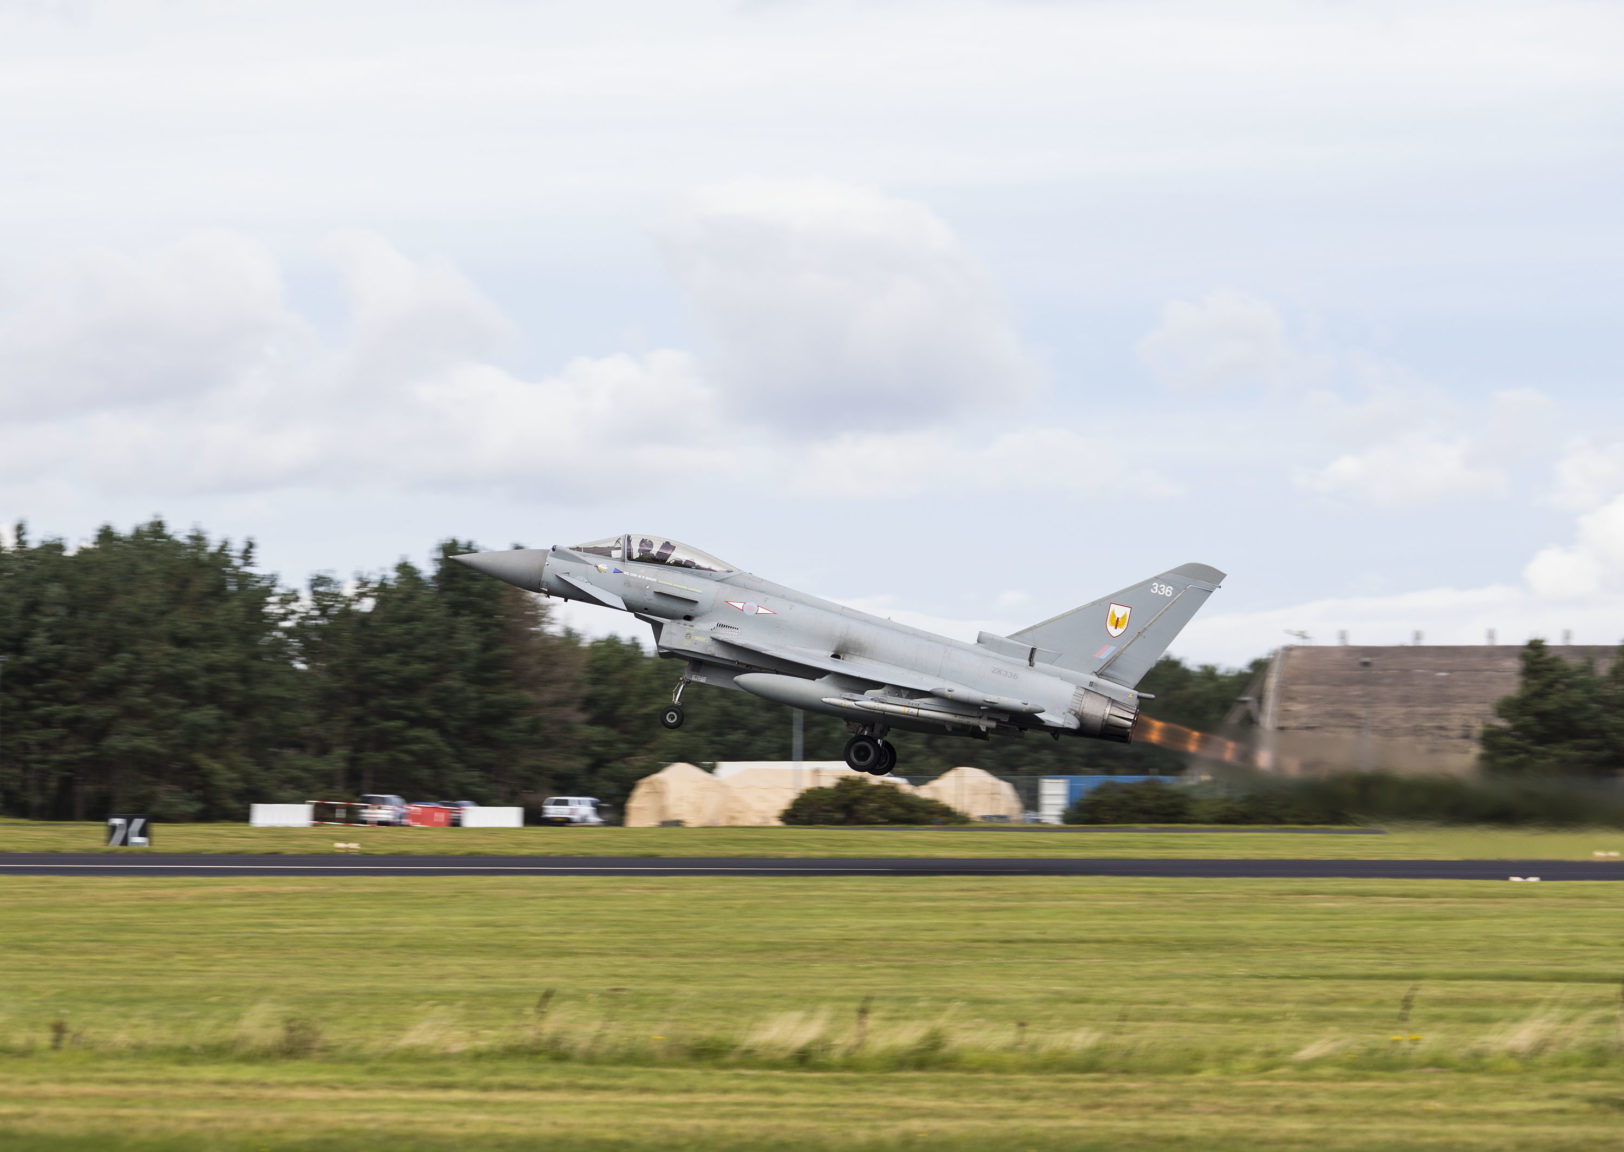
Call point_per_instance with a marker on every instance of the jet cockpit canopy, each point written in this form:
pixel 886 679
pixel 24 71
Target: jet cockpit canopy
pixel 647 548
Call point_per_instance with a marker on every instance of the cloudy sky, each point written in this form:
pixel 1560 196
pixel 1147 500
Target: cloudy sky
pixel 965 313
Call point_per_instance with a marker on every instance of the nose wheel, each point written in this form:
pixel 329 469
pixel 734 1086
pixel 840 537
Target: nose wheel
pixel 671 717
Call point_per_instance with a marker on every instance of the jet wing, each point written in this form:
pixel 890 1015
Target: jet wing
pixel 816 660
pixel 879 673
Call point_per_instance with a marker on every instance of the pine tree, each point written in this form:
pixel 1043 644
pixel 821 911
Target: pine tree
pixel 406 687
pixel 147 672
pixel 516 707
pixel 1555 724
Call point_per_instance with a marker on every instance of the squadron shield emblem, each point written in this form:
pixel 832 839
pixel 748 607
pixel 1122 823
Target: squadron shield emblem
pixel 1116 619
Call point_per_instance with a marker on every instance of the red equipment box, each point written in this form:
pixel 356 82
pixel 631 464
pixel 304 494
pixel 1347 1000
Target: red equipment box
pixel 428 816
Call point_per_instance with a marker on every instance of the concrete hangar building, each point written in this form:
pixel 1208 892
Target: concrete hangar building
pixel 1408 708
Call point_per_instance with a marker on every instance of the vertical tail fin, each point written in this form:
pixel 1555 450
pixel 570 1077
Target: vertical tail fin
pixel 1121 635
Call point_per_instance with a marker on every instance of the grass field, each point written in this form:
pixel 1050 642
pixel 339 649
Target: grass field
pixel 1420 842
pixel 1010 1013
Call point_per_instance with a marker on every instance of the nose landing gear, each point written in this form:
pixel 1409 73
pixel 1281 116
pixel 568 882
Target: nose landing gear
pixel 671 716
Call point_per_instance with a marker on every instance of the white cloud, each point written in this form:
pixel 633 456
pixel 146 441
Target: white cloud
pixel 1414 450
pixel 102 329
pixel 204 379
pixel 833 306
pixel 586 433
pixel 1055 461
pixel 1592 566
pixel 1520 426
pixel 1227 339
pixel 1404 442
pixel 185 371
pixel 1405 471
pixel 1588 474
pixel 1012 598
pixel 411 320
pixel 1378 432
pixel 593 428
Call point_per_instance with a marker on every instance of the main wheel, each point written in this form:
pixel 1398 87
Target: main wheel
pixel 862 753
pixel 888 758
pixel 672 716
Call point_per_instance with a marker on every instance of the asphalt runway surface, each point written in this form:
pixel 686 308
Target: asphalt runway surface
pixel 139 863
pixel 1113 829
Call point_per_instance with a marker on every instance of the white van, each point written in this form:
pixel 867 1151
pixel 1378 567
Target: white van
pixel 381 808
pixel 570 810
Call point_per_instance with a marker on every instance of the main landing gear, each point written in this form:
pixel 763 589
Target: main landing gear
pixel 865 753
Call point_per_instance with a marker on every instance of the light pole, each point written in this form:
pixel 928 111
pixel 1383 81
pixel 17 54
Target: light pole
pixel 1366 752
pixel 796 740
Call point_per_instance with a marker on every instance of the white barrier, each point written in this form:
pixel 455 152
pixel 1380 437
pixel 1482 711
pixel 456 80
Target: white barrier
pixel 493 817
pixel 281 815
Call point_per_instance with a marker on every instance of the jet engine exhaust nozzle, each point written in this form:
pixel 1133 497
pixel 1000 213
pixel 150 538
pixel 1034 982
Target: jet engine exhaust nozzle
pixel 521 567
pixel 1103 718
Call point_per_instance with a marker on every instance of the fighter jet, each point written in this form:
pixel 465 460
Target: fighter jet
pixel 1072 675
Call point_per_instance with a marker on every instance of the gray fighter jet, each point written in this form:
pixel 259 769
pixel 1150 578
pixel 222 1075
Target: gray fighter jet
pixel 1072 675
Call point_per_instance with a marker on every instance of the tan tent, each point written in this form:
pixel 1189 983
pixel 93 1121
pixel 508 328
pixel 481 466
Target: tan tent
pixel 742 792
pixel 677 792
pixel 759 791
pixel 975 793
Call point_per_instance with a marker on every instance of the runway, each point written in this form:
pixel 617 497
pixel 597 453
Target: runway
pixel 106 864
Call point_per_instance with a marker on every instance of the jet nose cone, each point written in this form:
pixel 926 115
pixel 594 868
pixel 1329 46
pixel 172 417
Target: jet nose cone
pixel 521 567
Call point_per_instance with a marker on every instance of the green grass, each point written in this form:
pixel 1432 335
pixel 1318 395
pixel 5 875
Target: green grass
pixel 729 1013
pixel 1417 842
pixel 443 1105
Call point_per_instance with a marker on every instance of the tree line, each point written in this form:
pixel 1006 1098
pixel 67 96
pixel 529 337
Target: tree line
pixel 163 673
pixel 1566 719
